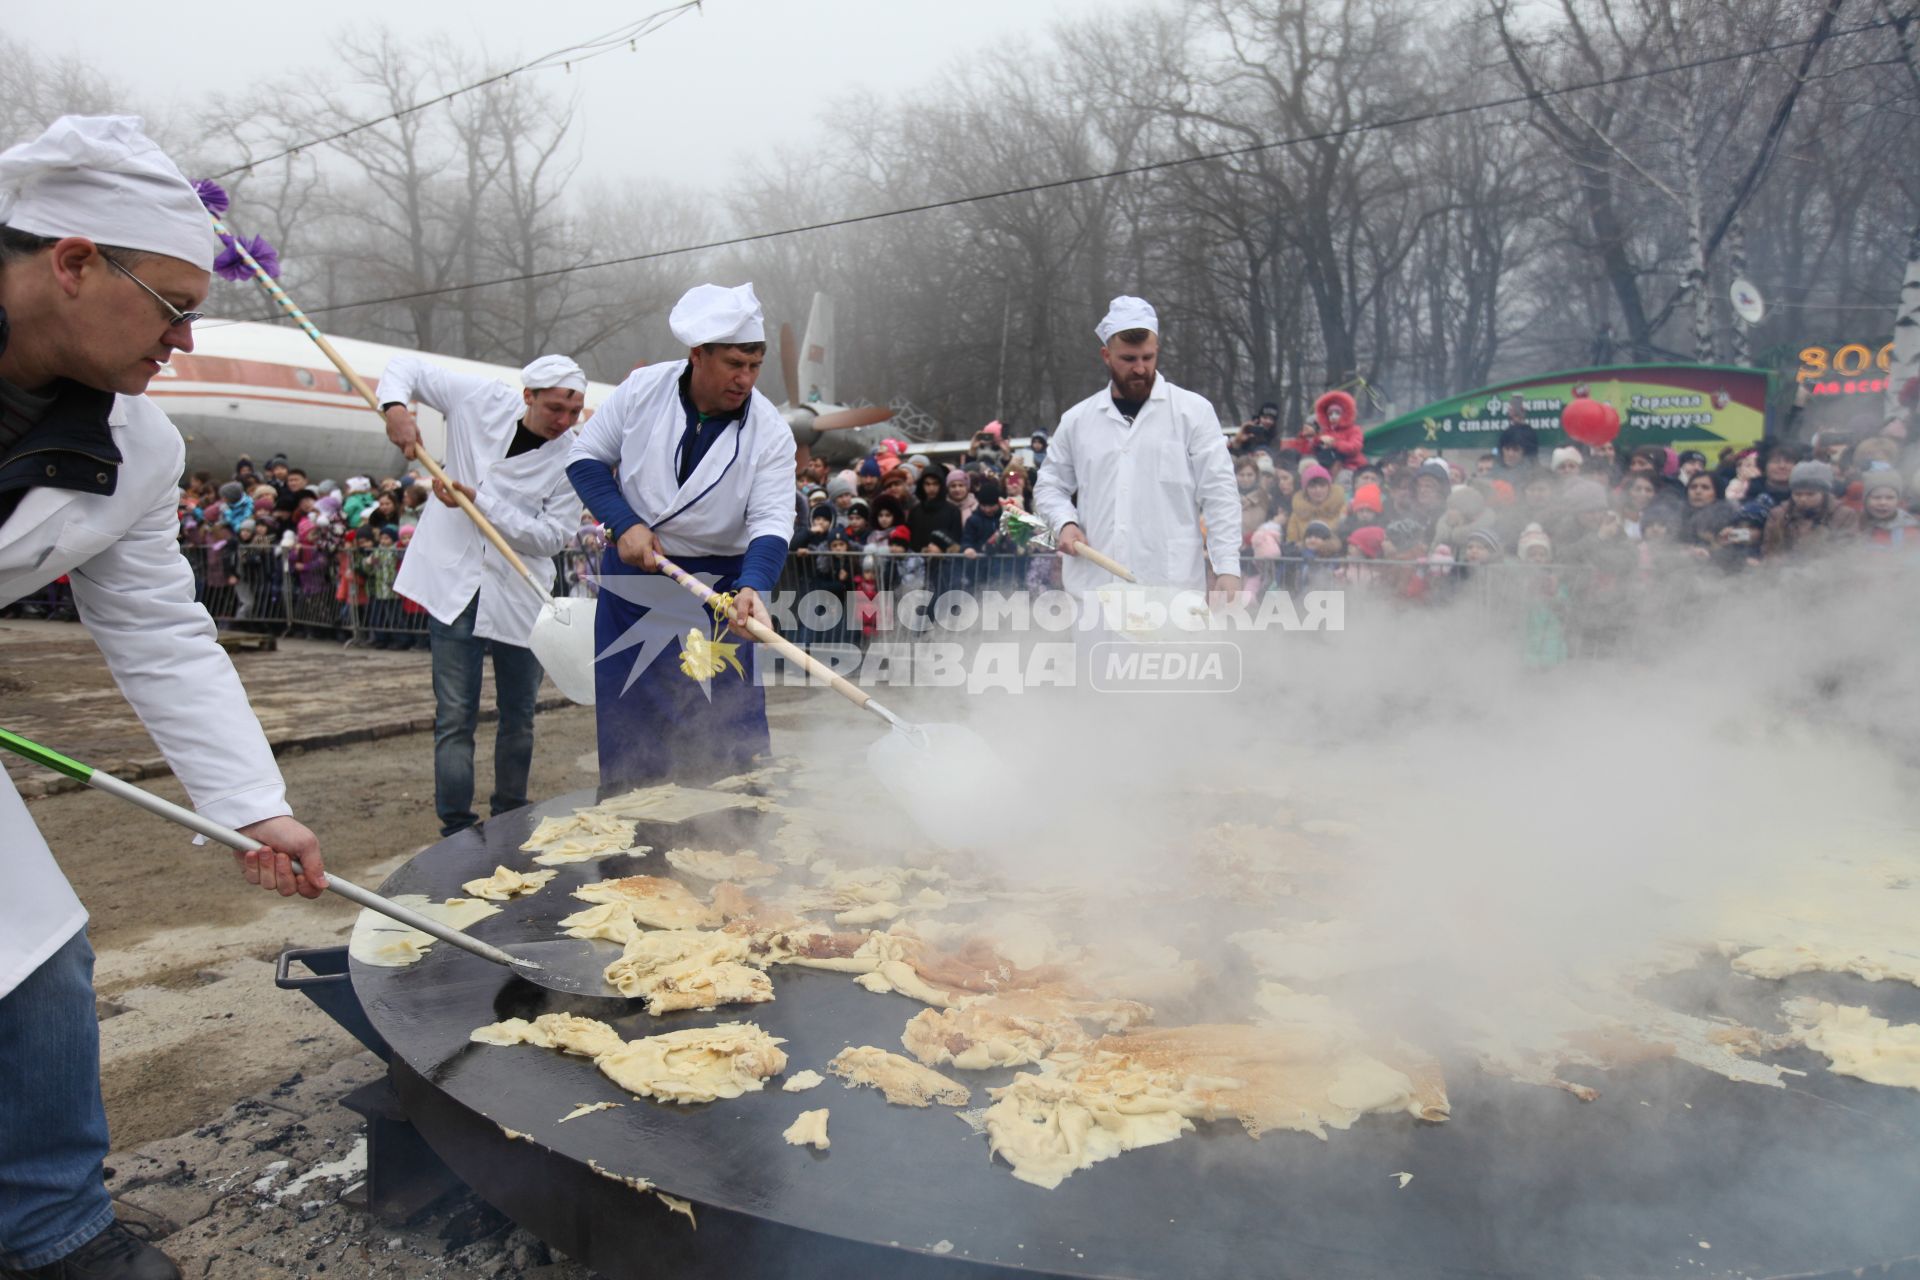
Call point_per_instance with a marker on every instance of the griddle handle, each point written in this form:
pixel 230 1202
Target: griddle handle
pixel 285 978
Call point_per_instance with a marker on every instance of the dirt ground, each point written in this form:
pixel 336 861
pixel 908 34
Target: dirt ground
pixel 171 915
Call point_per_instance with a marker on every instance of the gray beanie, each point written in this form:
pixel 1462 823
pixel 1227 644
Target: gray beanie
pixel 1468 502
pixel 840 484
pixel 1811 475
pixel 1880 477
pixel 1488 536
pixel 232 491
pixel 1583 497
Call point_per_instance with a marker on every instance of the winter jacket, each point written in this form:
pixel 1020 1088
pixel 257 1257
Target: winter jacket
pixel 1903 531
pixel 1305 511
pixel 1789 531
pixel 929 518
pixel 1349 442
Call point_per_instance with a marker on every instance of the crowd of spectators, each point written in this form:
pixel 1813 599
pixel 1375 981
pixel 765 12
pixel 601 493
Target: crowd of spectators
pixel 900 521
pixel 1648 510
pixel 271 545
pixel 1577 539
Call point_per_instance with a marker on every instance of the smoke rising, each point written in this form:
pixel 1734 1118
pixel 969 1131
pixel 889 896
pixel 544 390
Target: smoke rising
pixel 1512 830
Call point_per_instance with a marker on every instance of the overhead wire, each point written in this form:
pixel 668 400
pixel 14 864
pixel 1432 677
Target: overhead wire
pixel 1228 153
pixel 627 34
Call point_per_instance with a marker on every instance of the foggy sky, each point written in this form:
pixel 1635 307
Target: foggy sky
pixel 713 91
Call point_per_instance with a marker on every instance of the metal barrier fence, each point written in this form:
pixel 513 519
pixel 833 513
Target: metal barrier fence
pixel 347 594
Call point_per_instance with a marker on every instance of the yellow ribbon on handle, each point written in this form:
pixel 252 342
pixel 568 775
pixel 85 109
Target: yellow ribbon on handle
pixel 704 657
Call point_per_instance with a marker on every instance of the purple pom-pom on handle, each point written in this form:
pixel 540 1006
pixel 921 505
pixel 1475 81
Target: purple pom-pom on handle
pixel 212 195
pixel 230 265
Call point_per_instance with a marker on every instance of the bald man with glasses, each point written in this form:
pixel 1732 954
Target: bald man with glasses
pixel 104 257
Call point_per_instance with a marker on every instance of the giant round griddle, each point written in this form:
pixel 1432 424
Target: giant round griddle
pixel 1523 1181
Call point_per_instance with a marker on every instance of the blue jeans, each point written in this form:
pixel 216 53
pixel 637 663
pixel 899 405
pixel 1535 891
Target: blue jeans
pixel 53 1126
pixel 457 659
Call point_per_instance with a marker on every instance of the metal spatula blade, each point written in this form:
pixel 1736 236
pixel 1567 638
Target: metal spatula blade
pixel 562 639
pixel 575 966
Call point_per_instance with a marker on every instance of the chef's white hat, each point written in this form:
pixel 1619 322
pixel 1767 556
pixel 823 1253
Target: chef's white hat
pixel 101 177
pixel 1126 312
pixel 553 371
pixel 714 313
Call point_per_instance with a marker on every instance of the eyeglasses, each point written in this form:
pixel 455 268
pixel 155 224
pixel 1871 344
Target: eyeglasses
pixel 175 316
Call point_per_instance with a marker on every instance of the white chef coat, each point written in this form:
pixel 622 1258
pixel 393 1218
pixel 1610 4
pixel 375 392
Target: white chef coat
pixel 1143 489
pixel 527 498
pixel 134 591
pixel 742 489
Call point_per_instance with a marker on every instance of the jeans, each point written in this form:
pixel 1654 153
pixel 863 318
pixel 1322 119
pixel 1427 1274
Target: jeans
pixel 53 1125
pixel 457 658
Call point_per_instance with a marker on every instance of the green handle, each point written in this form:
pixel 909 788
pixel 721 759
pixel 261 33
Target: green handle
pixel 31 750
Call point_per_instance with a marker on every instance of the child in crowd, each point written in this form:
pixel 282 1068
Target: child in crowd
pixel 413 617
pixel 379 557
pixel 1482 547
pixel 857 523
pixel 1319 499
pixel 887 516
pixel 1405 547
pixel 1883 523
pixel 1319 554
pixel 1545 643
pixel 1364 546
pixel 866 598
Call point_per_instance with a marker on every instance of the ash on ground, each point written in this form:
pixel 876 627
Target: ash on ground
pixel 276 1189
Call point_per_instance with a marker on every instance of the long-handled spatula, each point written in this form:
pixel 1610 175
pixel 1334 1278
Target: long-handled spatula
pixel 567 966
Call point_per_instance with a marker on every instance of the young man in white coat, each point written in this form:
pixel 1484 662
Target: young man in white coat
pixel 686 459
pixel 507 451
pixel 1133 469
pixel 105 253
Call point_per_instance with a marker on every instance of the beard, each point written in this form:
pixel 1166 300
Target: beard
pixel 1134 386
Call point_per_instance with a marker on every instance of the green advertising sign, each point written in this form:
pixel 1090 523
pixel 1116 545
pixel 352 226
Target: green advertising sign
pixel 1684 406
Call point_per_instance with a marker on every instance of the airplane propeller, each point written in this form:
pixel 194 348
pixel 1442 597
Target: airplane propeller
pixel 806 421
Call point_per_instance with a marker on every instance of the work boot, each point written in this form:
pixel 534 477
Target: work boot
pixel 115 1254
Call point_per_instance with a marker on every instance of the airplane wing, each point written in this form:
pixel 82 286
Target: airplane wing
pixel 958 448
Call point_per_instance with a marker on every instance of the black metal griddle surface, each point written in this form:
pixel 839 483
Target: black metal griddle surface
pixel 1523 1181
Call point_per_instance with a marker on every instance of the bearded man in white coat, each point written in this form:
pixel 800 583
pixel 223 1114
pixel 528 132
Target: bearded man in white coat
pixel 105 252
pixel 1134 469
pixel 507 451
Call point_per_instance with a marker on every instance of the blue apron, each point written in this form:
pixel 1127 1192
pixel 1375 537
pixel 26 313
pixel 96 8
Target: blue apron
pixel 663 728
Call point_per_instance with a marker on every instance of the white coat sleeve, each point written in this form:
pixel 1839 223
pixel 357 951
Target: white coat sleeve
pixel 770 501
pixel 601 438
pixel 1219 496
pixel 1053 490
pixel 136 599
pixel 409 378
pixel 541 531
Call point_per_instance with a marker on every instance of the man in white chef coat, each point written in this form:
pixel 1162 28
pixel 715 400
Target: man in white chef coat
pixel 1133 469
pixel 686 459
pixel 507 451
pixel 105 253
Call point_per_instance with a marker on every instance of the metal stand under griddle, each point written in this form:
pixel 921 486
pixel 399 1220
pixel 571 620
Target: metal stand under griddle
pixel 1523 1182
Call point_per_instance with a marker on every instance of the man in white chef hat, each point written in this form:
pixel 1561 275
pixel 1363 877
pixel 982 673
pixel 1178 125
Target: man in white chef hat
pixel 507 451
pixel 686 459
pixel 1133 470
pixel 105 253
